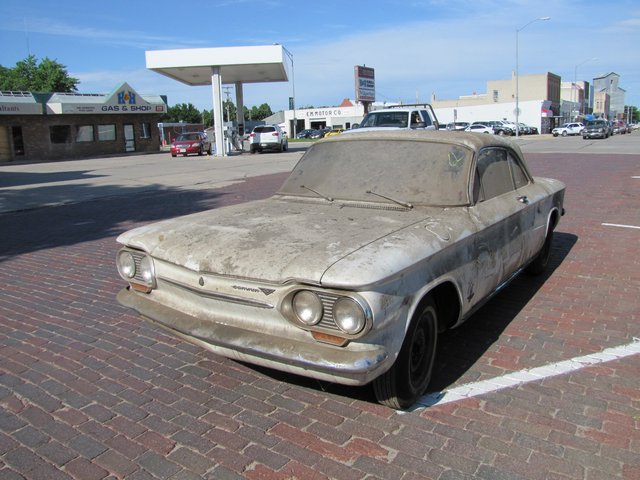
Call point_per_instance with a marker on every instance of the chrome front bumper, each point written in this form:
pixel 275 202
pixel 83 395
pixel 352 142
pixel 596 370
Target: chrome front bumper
pixel 355 366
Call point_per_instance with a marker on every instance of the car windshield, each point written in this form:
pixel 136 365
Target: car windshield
pixel 385 119
pixel 414 171
pixel 188 137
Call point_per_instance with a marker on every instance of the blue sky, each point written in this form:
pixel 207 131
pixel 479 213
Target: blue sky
pixel 418 47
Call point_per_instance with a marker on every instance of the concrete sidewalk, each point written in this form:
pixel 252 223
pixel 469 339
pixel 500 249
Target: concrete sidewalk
pixel 24 186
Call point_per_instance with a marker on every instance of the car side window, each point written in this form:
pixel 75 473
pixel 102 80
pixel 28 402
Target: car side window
pixel 520 178
pixel 427 119
pixel 494 173
pixel 416 121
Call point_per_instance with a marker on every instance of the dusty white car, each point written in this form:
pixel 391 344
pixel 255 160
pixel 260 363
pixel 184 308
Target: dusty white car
pixel 374 244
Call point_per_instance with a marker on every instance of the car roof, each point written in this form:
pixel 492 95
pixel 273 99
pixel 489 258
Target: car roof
pixel 475 141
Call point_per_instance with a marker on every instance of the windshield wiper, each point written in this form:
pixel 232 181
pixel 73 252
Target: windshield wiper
pixel 399 202
pixel 328 199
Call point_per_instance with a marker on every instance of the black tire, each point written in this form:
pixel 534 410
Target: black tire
pixel 408 378
pixel 541 261
pixel 173 154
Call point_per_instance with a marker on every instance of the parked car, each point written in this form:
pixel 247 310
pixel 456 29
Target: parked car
pixel 317 134
pixel 479 128
pixel 190 143
pixel 574 128
pixel 401 116
pixel 596 129
pixel 305 133
pixel 334 131
pixel 375 244
pixel 619 128
pixel 455 126
pixel 267 137
pixel 500 127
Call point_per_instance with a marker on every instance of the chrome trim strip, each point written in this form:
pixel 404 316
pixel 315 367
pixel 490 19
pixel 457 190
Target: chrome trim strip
pixel 219 296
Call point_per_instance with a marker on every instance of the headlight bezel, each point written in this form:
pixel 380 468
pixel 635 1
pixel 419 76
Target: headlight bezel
pixel 142 276
pixel 327 323
pixel 356 316
pixel 307 307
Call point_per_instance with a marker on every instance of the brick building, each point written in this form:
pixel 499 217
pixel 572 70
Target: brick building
pixel 54 126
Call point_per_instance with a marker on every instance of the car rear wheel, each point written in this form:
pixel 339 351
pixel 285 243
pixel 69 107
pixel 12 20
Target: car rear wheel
pixel 541 261
pixel 408 378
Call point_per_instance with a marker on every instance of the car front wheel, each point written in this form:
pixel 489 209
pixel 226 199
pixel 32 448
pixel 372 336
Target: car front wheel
pixel 408 378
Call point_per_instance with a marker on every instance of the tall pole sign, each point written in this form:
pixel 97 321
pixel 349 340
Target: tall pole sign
pixel 365 86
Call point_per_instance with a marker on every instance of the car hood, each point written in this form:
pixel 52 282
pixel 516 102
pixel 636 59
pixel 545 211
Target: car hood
pixel 275 240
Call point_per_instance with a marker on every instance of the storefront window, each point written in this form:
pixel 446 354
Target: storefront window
pixel 60 133
pixel 84 133
pixel 146 130
pixel 106 132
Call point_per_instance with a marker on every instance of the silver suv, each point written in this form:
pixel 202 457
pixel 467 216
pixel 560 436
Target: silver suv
pixel 268 137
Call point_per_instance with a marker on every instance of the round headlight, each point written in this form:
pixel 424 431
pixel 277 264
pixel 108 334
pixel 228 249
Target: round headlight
pixel 126 265
pixel 349 315
pixel 307 307
pixel 146 270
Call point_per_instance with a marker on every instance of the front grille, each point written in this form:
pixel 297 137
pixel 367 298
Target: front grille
pixel 327 320
pixel 137 258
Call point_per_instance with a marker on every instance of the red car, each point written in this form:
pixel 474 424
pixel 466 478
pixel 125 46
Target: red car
pixel 193 142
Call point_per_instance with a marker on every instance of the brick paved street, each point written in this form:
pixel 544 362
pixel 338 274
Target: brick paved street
pixel 89 390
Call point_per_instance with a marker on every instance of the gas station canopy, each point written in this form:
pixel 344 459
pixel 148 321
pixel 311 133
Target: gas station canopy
pixel 223 65
pixel 257 64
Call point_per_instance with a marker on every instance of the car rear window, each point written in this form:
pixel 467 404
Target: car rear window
pixel 265 129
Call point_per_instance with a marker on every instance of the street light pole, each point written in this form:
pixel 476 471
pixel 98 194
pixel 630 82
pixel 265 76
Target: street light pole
pixel 518 74
pixel 293 83
pixel 575 82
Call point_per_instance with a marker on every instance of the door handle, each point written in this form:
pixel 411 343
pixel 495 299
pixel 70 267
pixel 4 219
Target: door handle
pixel 523 199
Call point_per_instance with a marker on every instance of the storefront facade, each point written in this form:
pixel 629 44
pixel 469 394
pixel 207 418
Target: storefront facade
pixel 55 126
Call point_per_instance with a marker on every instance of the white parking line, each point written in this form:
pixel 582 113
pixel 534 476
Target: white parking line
pixel 525 376
pixel 620 226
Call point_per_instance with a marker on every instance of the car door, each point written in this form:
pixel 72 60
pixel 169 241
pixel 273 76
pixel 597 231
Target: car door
pixel 499 212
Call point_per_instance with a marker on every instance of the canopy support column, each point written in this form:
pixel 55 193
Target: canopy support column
pixel 218 122
pixel 240 108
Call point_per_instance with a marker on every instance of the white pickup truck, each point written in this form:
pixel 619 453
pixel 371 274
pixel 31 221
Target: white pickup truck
pixel 419 116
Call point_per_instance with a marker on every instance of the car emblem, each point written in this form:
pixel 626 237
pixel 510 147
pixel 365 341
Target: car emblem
pixel 267 291
pixel 201 282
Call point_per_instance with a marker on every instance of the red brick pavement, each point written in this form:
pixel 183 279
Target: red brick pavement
pixel 88 390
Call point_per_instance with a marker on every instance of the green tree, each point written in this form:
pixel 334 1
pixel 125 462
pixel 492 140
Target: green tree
pixel 182 112
pixel 228 111
pixel 207 118
pixel 258 113
pixel 30 76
